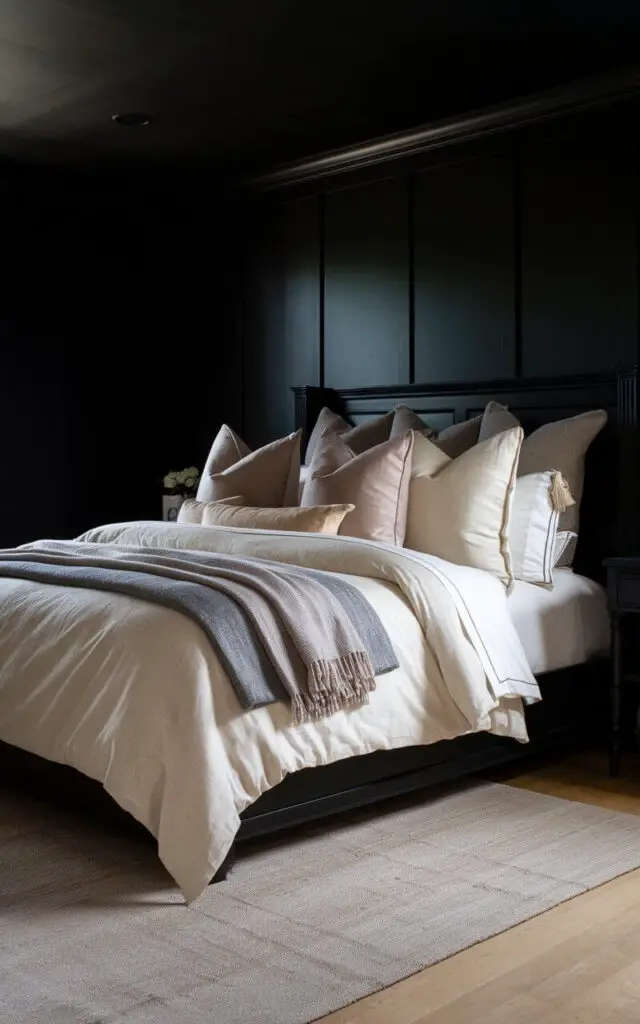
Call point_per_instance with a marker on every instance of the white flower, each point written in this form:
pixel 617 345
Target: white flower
pixel 190 483
pixel 170 481
pixel 180 477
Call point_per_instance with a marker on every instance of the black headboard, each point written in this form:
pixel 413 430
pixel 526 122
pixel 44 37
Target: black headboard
pixel 610 507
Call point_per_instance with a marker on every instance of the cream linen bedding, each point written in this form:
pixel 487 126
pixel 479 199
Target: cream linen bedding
pixel 132 694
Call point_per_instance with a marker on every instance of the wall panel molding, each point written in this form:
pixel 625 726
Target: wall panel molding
pixel 510 260
pixel 582 95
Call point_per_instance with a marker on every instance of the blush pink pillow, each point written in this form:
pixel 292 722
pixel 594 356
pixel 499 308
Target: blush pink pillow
pixel 376 482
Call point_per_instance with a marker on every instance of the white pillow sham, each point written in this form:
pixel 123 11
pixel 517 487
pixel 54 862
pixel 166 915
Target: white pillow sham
pixel 561 445
pixel 538 500
pixel 565 549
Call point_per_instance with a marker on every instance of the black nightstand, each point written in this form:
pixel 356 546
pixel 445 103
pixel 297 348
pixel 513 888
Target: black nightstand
pixel 623 595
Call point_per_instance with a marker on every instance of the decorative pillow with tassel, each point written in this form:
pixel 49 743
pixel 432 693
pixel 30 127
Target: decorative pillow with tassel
pixel 539 499
pixel 561 445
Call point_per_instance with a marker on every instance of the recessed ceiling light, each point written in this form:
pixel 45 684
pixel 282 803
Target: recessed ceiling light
pixel 131 120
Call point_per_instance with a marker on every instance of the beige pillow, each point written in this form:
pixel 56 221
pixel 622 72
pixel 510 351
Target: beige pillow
pixel 327 421
pixel 268 477
pixel 459 437
pixel 359 439
pixel 496 417
pixel 405 419
pixel 237 499
pixel 226 450
pixel 459 508
pixel 369 433
pixel 376 482
pixel 323 519
pixel 561 445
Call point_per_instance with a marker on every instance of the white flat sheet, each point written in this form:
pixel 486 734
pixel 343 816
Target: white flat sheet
pixel 563 626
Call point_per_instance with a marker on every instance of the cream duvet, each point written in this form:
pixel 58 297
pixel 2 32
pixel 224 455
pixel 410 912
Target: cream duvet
pixel 132 694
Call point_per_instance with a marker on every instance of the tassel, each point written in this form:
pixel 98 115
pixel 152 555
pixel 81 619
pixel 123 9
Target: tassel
pixel 559 493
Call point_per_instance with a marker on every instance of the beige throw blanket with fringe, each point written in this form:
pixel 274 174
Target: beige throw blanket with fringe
pixel 319 655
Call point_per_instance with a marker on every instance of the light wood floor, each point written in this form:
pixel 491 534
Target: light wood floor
pixel 577 964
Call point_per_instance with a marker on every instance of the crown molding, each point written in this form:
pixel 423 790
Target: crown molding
pixel 554 103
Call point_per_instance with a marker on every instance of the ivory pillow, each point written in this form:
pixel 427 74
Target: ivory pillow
pixel 376 482
pixel 322 519
pixel 459 508
pixel 560 445
pixel 538 500
pixel 267 477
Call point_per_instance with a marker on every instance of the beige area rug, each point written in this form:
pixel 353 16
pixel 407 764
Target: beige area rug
pixel 92 930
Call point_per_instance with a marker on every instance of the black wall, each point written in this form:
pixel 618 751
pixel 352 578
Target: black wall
pixel 129 330
pixel 112 332
pixel 507 257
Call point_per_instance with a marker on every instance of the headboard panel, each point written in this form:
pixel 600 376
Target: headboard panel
pixel 610 507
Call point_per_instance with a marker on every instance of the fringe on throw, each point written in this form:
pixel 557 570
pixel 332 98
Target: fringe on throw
pixel 561 496
pixel 334 686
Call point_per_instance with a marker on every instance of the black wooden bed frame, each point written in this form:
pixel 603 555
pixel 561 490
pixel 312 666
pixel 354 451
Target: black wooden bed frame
pixel 574 699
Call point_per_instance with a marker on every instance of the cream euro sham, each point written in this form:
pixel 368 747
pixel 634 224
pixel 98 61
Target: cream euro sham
pixel 459 508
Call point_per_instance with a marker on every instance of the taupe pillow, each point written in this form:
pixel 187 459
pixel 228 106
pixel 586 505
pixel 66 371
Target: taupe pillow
pixel 495 419
pixel 369 433
pixel 267 477
pixel 459 437
pixel 359 438
pixel 226 450
pixel 405 419
pixel 376 482
pixel 327 421
pixel 561 445
pixel 323 519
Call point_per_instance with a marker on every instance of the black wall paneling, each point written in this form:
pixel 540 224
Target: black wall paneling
pixel 281 315
pixel 114 342
pixel 464 270
pixel 366 284
pixel 510 256
pixel 579 246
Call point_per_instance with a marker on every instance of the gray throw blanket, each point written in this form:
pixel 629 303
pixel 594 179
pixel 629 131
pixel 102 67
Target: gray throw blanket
pixel 280 631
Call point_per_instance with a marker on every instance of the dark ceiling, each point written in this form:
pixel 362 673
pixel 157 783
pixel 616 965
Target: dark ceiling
pixel 235 85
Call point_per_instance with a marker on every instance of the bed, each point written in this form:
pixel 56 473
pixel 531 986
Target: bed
pixel 563 631
pixel 609 518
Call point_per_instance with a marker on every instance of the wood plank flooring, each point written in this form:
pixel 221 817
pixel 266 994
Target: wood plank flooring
pixel 576 964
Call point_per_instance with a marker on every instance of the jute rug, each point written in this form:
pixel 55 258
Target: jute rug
pixel 92 930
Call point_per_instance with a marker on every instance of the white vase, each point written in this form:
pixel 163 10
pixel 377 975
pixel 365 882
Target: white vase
pixel 171 504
